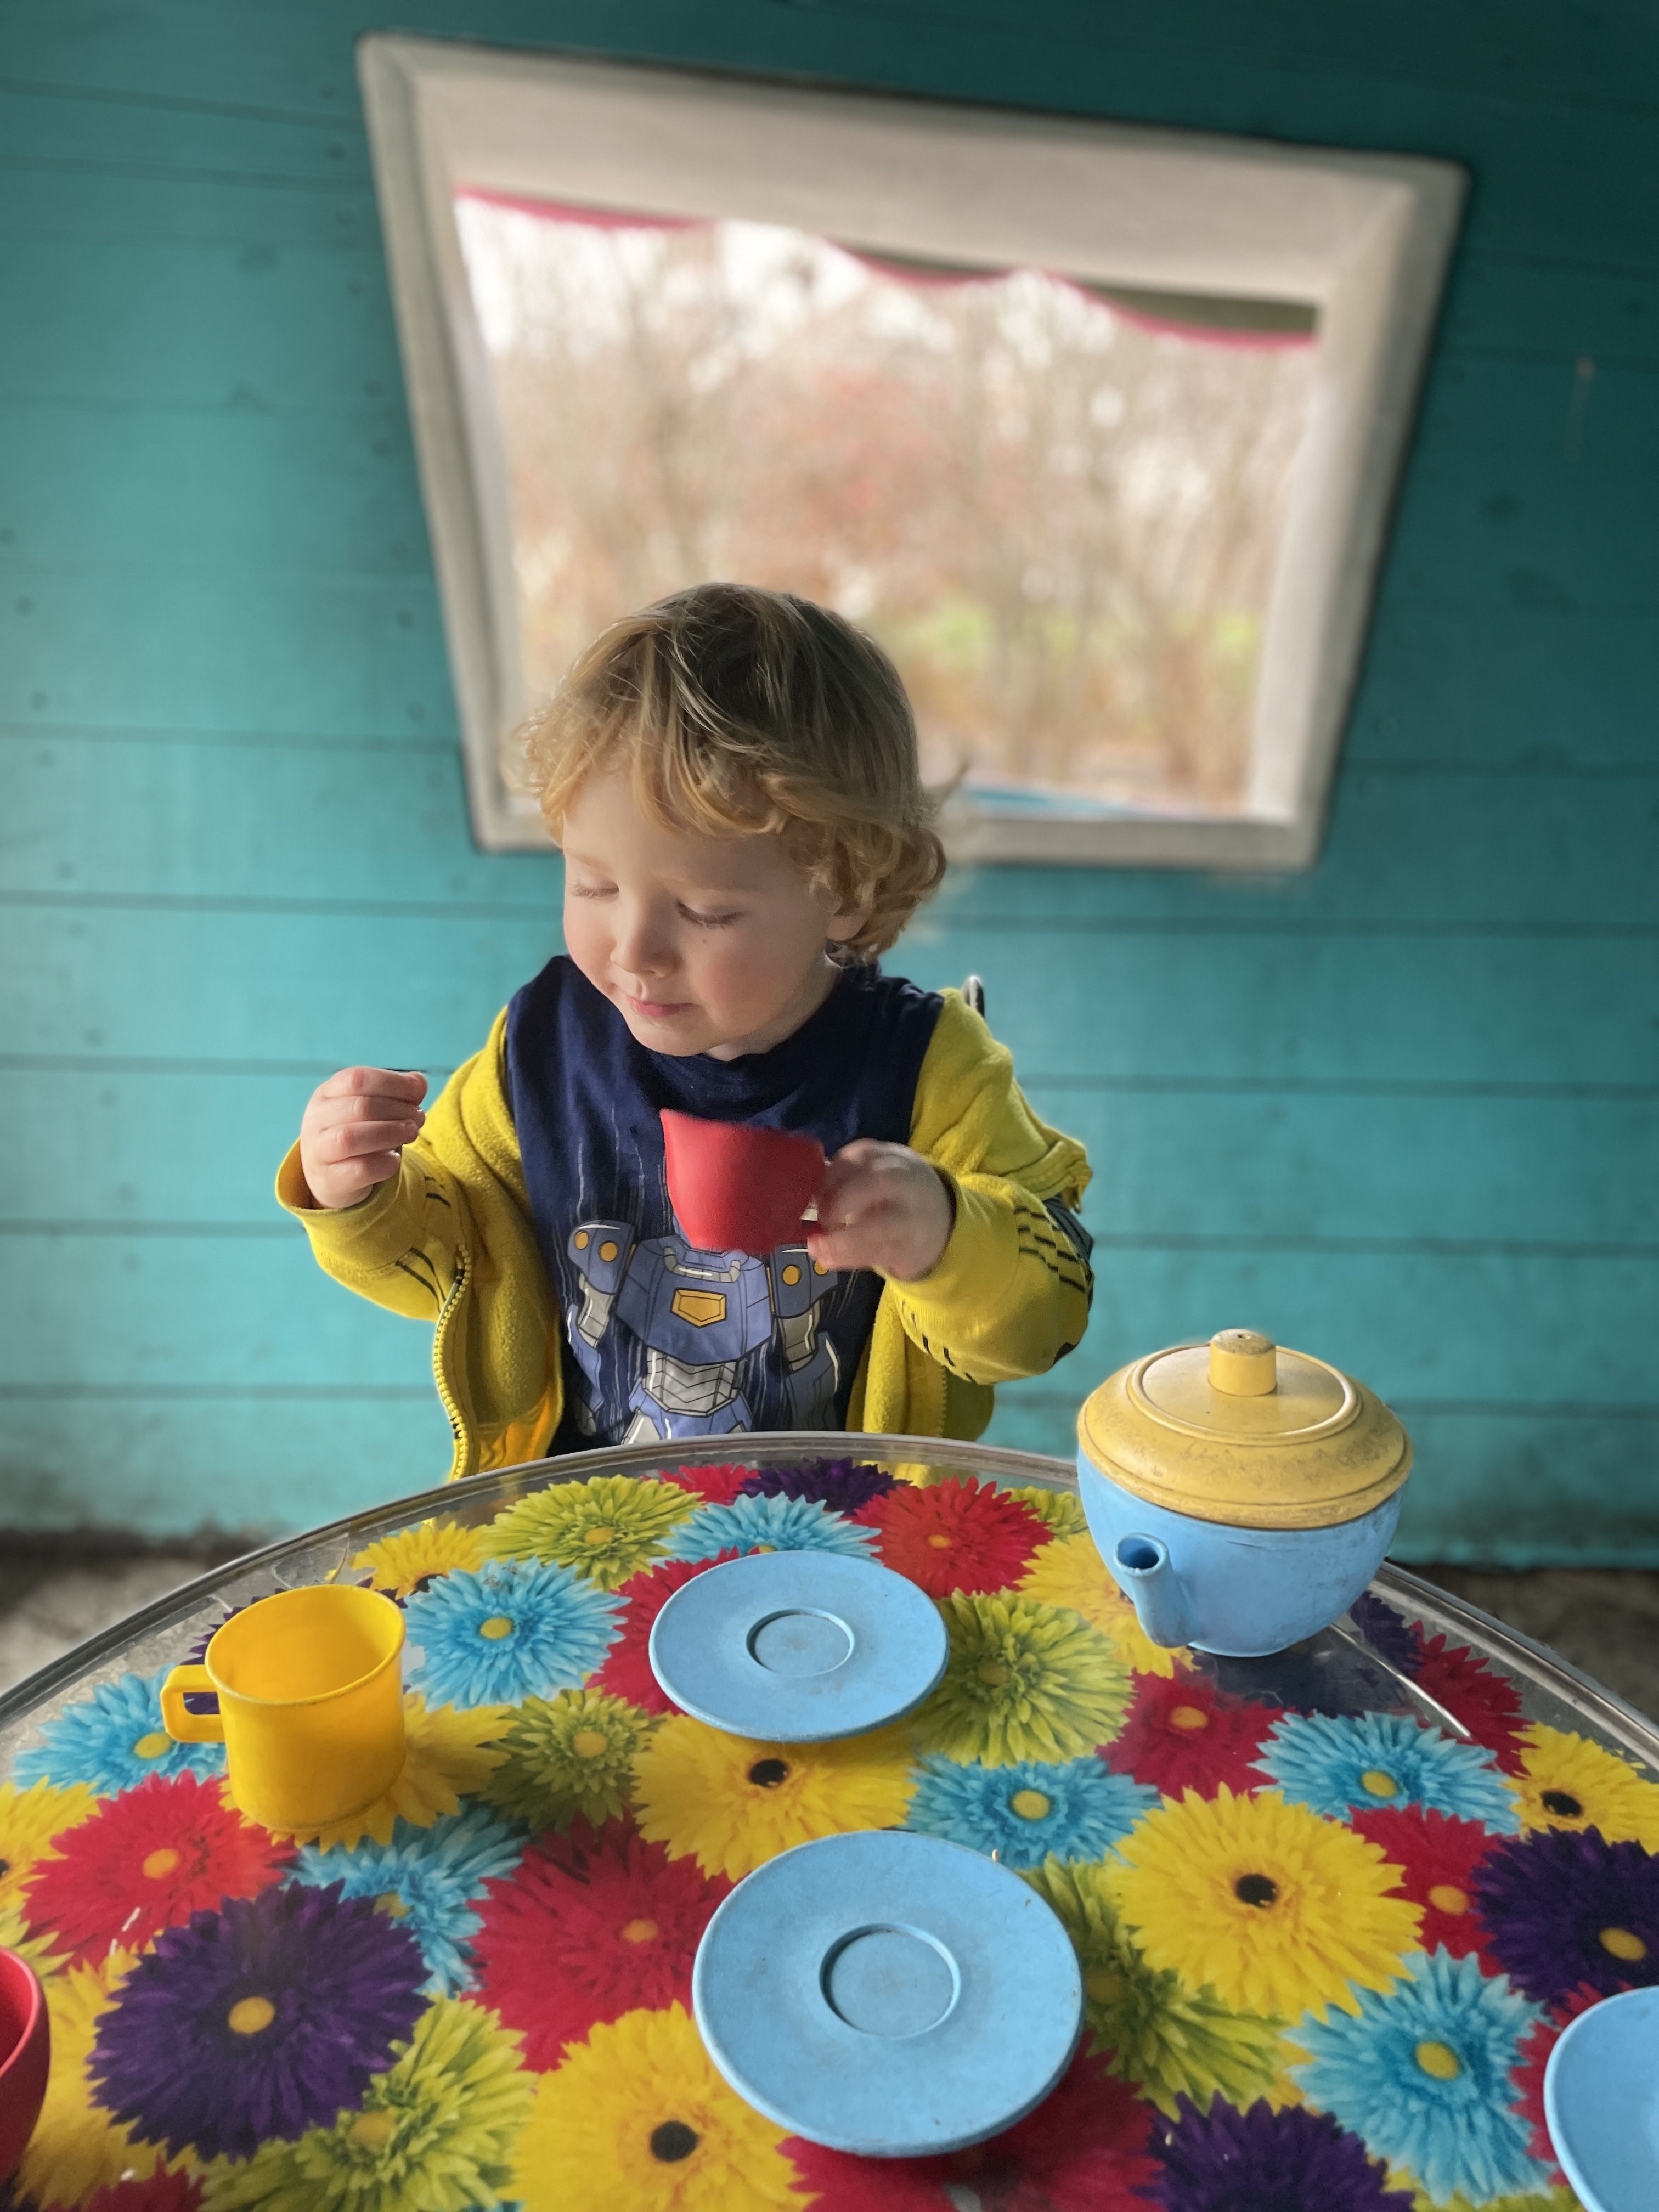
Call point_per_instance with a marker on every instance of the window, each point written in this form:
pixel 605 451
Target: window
pixel 1095 428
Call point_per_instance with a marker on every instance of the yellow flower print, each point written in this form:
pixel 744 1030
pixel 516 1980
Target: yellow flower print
pixel 77 2147
pixel 1070 1571
pixel 1167 2040
pixel 637 2120
pixel 16 1934
pixel 605 1528
pixel 30 1821
pixel 1278 1910
pixel 1567 1782
pixel 397 1563
pixel 448 1755
pixel 735 1803
pixel 1024 1680
pixel 1556 2197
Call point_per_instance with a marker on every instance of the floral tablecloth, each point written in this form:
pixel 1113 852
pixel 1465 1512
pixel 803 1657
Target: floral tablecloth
pixel 1326 1946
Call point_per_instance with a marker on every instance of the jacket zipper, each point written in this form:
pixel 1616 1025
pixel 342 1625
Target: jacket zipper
pixel 439 1343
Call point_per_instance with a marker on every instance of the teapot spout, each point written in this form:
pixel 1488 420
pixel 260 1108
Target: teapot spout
pixel 1144 1571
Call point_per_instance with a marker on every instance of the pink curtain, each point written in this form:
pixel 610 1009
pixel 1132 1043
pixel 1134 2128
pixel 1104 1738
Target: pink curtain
pixel 919 275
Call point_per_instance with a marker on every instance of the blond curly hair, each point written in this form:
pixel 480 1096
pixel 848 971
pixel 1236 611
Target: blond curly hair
pixel 739 712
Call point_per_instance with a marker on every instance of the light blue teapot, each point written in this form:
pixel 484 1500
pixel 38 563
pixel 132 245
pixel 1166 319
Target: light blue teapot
pixel 1243 1495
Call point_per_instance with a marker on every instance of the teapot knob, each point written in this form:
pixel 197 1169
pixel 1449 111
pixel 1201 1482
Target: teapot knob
pixel 1244 1364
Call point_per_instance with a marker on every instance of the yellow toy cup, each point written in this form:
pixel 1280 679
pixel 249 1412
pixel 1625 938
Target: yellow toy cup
pixel 311 1704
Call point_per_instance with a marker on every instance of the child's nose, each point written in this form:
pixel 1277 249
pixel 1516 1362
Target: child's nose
pixel 643 948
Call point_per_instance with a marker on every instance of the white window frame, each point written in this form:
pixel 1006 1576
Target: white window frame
pixel 1364 238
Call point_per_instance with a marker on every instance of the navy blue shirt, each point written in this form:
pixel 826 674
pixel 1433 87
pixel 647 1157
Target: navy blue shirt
pixel 662 1340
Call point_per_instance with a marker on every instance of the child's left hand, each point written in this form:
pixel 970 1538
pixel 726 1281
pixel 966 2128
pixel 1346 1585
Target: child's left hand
pixel 882 1207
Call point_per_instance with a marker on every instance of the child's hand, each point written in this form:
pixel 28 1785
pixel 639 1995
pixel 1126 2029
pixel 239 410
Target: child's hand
pixel 882 1207
pixel 355 1128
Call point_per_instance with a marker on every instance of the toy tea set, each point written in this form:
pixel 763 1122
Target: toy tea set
pixel 888 1993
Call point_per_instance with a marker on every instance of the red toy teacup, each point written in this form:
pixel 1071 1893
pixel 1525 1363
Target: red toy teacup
pixel 735 1187
pixel 25 2057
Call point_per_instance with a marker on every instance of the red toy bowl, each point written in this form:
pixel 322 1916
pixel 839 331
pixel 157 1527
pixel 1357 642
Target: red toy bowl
pixel 25 2057
pixel 737 1188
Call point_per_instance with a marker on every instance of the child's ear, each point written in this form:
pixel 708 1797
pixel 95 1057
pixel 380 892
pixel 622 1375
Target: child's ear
pixel 845 923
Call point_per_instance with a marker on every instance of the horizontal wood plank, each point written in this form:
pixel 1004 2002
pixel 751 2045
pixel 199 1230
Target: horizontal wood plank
pixel 1528 306
pixel 312 987
pixel 132 325
pixel 180 819
pixel 1455 1008
pixel 224 143
pixel 214 650
pixel 1603 58
pixel 262 1463
pixel 1527 144
pixel 188 1312
pixel 1507 688
pixel 78 208
pixel 126 1148
pixel 319 495
pixel 334 987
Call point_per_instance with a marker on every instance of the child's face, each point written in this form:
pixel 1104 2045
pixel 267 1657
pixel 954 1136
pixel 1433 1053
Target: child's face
pixel 711 945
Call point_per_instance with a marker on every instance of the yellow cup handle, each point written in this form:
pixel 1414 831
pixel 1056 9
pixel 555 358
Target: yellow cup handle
pixel 187 1727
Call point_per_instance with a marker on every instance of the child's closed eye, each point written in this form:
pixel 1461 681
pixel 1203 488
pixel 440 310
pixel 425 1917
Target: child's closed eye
pixel 710 920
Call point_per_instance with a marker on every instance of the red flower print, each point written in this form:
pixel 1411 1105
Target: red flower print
pixel 716 1486
pixel 954 1535
pixel 1184 1733
pixel 1528 2076
pixel 1488 1706
pixel 1083 2149
pixel 627 1669
pixel 146 1861
pixel 590 1926
pixel 836 2181
pixel 161 2193
pixel 1439 1855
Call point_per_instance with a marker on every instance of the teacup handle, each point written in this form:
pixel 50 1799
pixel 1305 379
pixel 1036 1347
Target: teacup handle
pixel 181 1724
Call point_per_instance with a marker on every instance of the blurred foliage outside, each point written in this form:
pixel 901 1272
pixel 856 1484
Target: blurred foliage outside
pixel 1060 522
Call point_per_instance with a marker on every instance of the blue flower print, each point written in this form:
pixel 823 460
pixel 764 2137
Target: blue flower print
pixel 1024 1813
pixel 772 1524
pixel 428 1880
pixel 508 1630
pixel 1423 2075
pixel 114 1740
pixel 1357 1762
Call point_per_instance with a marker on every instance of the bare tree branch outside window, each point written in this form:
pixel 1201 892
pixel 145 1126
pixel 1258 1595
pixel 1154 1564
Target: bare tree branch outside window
pixel 1060 520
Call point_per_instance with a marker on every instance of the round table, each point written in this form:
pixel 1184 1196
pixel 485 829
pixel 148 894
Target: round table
pixel 1332 1908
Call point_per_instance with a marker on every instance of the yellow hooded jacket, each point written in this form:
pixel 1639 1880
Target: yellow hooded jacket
pixel 451 1239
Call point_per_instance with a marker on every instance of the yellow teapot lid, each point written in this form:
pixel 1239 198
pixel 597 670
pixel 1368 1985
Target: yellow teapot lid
pixel 1243 1430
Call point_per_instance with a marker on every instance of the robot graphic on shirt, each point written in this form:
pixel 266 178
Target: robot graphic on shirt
pixel 696 1315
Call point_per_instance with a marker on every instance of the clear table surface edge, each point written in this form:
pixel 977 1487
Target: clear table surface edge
pixel 1552 1691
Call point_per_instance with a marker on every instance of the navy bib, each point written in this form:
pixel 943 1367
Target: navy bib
pixel 662 1340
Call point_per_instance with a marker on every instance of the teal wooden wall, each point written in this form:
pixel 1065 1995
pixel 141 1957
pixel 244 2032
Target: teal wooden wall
pixel 1400 1111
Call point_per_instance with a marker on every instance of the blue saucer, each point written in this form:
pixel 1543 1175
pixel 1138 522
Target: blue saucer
pixel 888 1994
pixel 798 1647
pixel 1601 2103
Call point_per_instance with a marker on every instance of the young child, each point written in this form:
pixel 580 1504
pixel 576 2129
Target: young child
pixel 732 777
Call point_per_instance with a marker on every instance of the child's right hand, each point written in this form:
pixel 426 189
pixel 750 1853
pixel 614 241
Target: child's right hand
pixel 355 1129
